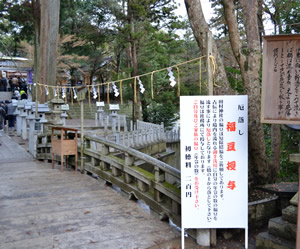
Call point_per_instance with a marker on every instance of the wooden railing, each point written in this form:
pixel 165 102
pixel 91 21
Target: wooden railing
pixel 135 173
pixel 140 175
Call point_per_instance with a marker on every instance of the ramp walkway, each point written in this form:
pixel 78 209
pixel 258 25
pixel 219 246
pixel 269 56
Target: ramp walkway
pixel 42 207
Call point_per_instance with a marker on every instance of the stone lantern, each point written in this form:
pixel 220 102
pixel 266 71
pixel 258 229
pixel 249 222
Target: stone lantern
pixel 36 125
pixel 54 117
pixel 64 115
pixel 114 115
pixel 100 111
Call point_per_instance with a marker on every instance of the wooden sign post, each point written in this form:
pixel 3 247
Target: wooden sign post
pixel 281 80
pixel 281 87
pixel 81 97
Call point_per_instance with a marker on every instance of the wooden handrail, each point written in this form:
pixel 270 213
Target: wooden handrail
pixel 135 153
pixel 64 128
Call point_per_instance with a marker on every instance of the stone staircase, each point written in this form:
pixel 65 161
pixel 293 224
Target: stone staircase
pixel 91 109
pixel 281 232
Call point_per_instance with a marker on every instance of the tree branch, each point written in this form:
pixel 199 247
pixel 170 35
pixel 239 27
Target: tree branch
pixel 200 28
pixel 234 35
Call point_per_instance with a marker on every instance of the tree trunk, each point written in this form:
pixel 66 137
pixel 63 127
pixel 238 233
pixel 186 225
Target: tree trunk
pixel 49 41
pixel 200 28
pixel 251 78
pixel 275 152
pixel 137 104
pixel 249 64
pixel 136 110
pixel 37 19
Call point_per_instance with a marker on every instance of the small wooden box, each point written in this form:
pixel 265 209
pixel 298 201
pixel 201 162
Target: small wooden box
pixel 64 146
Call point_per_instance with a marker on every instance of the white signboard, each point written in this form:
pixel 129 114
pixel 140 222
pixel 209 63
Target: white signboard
pixel 214 161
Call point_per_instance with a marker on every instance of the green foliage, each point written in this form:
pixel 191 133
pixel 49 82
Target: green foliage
pixel 235 79
pixel 284 15
pixel 16 24
pixel 290 140
pixel 289 144
pixel 161 113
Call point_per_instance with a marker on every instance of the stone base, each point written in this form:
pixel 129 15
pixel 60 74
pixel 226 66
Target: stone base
pixel 290 214
pixel 294 200
pixel 268 241
pixel 283 229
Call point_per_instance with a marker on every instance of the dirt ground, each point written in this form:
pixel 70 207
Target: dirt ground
pixel 236 242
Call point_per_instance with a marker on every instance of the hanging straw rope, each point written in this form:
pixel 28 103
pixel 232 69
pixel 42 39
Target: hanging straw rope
pixel 72 96
pixel 89 93
pixel 178 81
pixel 200 74
pixel 108 93
pixel 98 93
pixel 134 87
pixel 152 96
pixel 212 63
pixel 66 95
pixel 142 75
pixel 121 92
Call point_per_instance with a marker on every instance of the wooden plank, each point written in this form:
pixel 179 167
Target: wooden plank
pixel 139 235
pixel 295 158
pixel 280 80
pixel 41 207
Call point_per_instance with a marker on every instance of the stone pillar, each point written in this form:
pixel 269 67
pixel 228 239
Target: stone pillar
pixel 159 174
pixel 129 160
pixel 64 116
pixel 114 122
pixel 100 111
pixel 203 237
pixel 24 124
pixel 19 111
pixel 31 118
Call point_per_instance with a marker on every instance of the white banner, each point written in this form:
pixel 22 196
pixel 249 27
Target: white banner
pixel 214 161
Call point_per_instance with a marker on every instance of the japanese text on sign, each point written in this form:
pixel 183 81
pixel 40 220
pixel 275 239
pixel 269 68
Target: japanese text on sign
pixel 214 161
pixel 281 79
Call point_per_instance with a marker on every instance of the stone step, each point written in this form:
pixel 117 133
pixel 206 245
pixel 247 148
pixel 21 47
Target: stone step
pixel 283 229
pixel 294 200
pixel 290 214
pixel 268 241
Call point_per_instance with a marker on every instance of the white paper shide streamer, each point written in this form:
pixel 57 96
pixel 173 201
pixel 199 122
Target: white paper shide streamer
pixel 74 93
pixel 63 93
pixel 55 92
pixel 116 91
pixel 142 89
pixel 172 78
pixel 95 95
pixel 46 90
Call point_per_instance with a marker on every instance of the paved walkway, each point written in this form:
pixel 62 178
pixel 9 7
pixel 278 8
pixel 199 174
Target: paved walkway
pixel 45 208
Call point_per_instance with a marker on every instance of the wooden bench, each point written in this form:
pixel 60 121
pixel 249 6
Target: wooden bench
pixel 64 146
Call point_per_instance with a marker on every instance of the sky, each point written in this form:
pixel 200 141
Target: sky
pixel 205 6
pixel 208 12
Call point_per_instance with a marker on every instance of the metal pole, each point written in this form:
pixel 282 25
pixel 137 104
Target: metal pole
pixel 182 237
pixel 36 101
pixel 298 214
pixel 81 136
pixel 210 83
